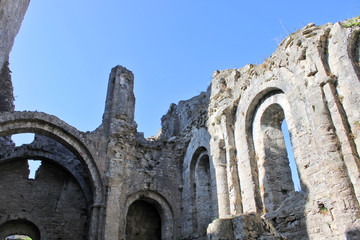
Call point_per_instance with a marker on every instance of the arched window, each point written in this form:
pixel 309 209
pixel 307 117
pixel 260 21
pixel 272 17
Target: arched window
pixel 274 172
pixel 143 222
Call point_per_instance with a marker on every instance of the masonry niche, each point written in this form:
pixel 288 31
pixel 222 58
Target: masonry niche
pixel 201 190
pixel 271 156
pixel 143 221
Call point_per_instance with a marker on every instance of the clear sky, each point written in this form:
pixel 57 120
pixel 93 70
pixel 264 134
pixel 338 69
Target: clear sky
pixel 65 50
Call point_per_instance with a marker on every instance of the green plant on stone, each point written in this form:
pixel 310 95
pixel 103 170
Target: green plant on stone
pixel 322 209
pixel 352 22
pixel 357 124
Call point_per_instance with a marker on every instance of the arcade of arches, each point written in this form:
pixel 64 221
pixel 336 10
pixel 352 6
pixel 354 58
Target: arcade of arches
pixel 219 169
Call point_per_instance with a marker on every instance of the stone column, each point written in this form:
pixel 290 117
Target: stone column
pixel 118 121
pixel 333 208
pixel 231 165
pixel 218 155
pixel 12 14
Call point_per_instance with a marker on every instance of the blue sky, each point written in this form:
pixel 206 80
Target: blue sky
pixel 65 50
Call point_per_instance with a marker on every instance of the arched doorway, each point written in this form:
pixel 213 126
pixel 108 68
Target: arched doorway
pixel 143 221
pixel 154 202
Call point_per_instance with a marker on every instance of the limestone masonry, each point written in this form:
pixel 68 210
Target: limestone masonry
pixel 218 169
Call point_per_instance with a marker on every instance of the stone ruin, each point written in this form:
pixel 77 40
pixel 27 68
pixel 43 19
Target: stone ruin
pixel 218 169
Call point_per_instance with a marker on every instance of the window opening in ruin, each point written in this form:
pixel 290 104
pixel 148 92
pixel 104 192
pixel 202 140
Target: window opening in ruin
pixel 18 237
pixel 290 154
pixel 275 180
pixel 34 165
pixel 203 192
pixel 23 138
pixel 20 230
pixel 143 222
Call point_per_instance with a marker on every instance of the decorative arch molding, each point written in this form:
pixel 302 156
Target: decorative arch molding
pixel 200 138
pixel 201 190
pixel 270 152
pixel 247 107
pixel 161 205
pixel 71 138
pixel 198 146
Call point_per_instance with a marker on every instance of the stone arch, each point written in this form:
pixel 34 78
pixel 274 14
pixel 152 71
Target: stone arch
pixel 266 112
pixel 32 151
pixel 200 143
pixel 247 106
pixel 71 138
pixel 9 225
pixel 201 192
pixel 162 206
pixel 274 173
pixel 19 227
pixel 54 199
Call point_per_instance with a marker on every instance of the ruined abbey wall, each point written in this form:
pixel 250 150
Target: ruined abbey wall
pixel 219 168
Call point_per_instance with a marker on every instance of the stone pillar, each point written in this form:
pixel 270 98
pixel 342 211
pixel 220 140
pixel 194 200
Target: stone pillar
pixel 248 176
pixel 218 155
pixel 345 137
pixel 120 100
pixel 6 90
pixel 6 98
pixel 118 121
pixel 231 165
pixel 12 14
pixel 333 208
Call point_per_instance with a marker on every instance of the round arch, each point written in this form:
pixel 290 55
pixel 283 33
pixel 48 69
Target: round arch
pixel 70 137
pixel 58 160
pixel 161 205
pixel 269 150
pixel 19 227
pixel 248 104
pixel 201 189
pixel 21 223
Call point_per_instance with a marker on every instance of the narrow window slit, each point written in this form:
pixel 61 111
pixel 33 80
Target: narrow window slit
pixel 34 165
pixel 290 154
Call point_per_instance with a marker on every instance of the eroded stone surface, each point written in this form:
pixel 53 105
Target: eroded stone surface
pixel 219 156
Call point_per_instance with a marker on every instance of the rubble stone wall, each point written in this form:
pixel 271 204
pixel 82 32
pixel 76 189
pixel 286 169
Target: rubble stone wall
pixel 48 200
